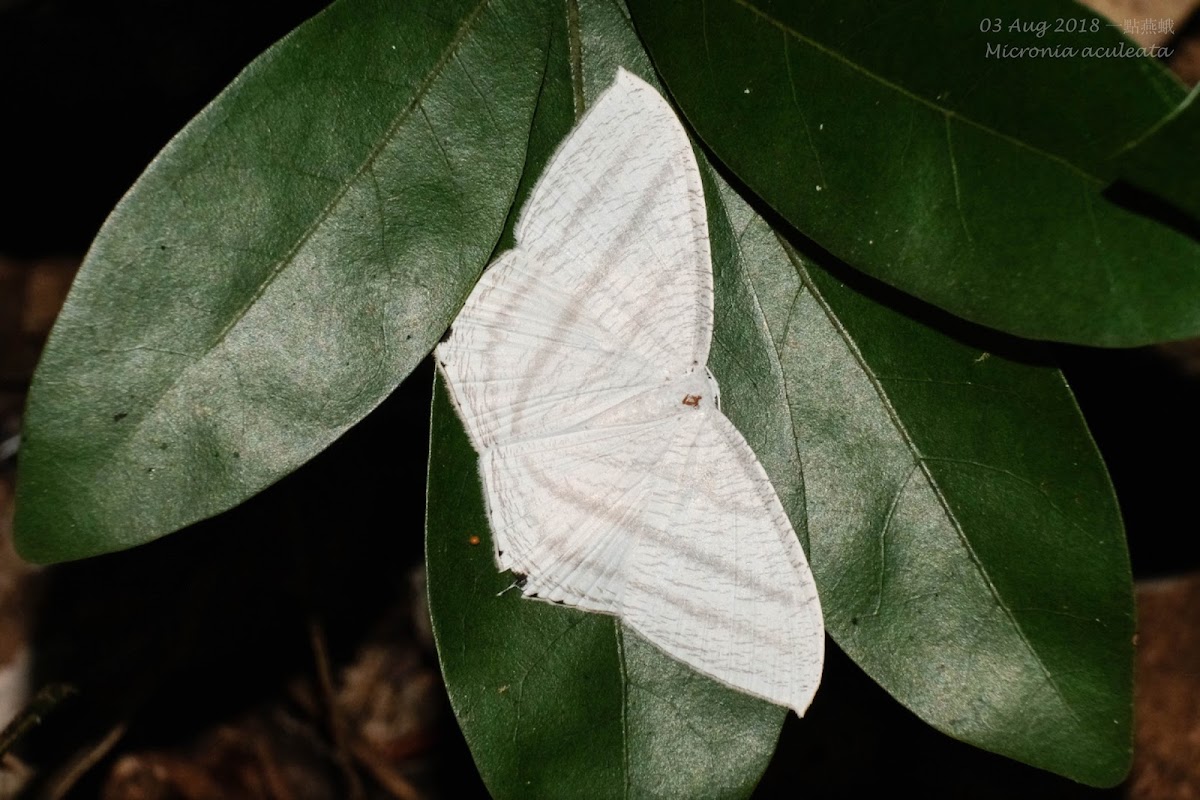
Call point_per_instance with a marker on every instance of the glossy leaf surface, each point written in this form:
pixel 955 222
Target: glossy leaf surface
pixel 1162 160
pixel 961 526
pixel 894 140
pixel 279 268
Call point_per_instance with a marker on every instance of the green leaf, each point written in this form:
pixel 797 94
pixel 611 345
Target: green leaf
pixel 555 702
pixel 282 264
pixel 974 182
pixel 1162 160
pixel 961 526
pixel 559 703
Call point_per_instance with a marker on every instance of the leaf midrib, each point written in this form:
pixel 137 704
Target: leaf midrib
pixel 921 462
pixel 911 95
pixel 774 350
pixel 323 216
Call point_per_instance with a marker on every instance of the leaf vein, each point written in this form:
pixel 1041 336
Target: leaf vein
pixel 402 116
pixel 934 486
pixel 859 68
pixel 812 145
pixel 958 200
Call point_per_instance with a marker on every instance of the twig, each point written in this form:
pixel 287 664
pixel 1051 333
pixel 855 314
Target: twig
pixel 84 760
pixel 337 724
pixel 45 701
pixel 9 447
pixel 382 771
pixel 276 784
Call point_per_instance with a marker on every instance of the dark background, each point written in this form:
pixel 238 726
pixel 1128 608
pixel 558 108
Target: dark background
pixel 197 660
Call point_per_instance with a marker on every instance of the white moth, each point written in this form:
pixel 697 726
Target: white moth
pixel 613 481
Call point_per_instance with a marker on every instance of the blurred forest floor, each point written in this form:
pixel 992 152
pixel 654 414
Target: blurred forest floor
pixel 286 653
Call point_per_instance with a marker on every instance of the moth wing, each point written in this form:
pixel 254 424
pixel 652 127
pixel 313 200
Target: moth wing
pixel 720 581
pixel 608 290
pixel 618 218
pixel 566 510
pixel 673 526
